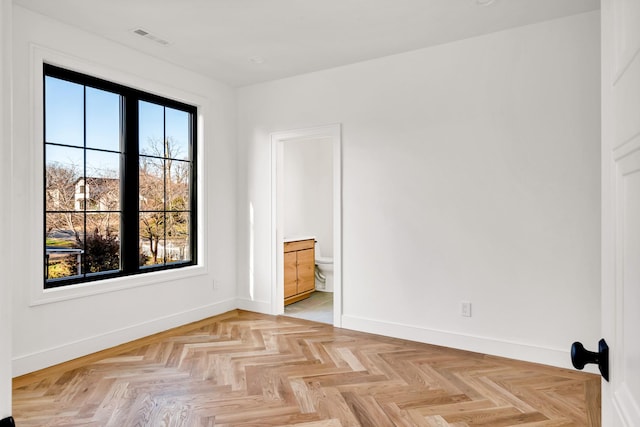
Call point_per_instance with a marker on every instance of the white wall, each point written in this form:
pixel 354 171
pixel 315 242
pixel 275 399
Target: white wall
pixel 308 190
pixel 5 185
pixel 470 172
pixel 48 333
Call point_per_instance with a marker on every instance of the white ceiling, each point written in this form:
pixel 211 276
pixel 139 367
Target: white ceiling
pixel 217 38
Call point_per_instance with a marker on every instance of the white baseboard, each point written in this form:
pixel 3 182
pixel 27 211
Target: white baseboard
pixel 263 307
pixel 486 345
pixel 514 350
pixel 32 362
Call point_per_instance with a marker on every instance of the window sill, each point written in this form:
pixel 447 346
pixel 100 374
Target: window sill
pixel 81 290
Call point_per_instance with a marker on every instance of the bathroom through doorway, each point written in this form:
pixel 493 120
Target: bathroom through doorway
pixel 306 226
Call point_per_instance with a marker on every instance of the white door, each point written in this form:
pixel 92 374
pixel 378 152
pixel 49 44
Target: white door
pixel 5 194
pixel 621 209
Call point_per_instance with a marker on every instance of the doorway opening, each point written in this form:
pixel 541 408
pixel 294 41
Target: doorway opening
pixel 306 213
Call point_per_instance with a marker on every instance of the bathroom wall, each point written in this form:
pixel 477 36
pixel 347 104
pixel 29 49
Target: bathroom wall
pixel 470 172
pixel 308 195
pixel 61 324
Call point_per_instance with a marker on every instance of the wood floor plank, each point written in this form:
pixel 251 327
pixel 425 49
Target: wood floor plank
pixel 249 369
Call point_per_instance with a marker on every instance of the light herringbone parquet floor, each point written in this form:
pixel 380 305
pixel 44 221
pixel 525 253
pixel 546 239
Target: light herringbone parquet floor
pixel 247 369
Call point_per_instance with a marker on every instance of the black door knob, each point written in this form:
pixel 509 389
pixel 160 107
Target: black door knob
pixel 7 422
pixel 581 357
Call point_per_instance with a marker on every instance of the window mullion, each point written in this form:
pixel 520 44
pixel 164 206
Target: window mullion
pixel 84 267
pixel 192 187
pixel 129 185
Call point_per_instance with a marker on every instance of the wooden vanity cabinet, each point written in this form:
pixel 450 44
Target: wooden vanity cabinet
pixel 299 270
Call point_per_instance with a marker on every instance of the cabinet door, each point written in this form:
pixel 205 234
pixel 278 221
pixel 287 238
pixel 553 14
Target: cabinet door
pixel 306 268
pixel 290 274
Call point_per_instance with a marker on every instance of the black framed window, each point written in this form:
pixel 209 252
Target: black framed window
pixel 120 174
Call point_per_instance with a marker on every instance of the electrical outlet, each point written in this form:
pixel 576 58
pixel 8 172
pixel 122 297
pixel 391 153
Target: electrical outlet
pixel 465 309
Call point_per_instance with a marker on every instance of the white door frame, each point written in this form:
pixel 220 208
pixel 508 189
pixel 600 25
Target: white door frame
pixel 278 139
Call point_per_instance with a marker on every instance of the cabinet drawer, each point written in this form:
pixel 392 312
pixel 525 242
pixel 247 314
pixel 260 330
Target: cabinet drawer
pixel 298 245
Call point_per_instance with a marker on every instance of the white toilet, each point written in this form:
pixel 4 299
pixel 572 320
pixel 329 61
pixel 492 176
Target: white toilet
pixel 324 271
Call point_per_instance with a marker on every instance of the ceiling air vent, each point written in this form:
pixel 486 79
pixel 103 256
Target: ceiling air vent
pixel 148 35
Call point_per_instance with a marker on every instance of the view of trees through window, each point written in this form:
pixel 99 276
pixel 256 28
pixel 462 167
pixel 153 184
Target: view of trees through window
pixel 89 227
pixel 164 185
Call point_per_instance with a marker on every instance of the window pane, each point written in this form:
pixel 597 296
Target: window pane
pixel 102 246
pixel 178 239
pixel 64 168
pixel 151 182
pixel 178 176
pixel 64 112
pixel 103 181
pixel 177 132
pixel 103 119
pixel 152 238
pixel 64 244
pixel 151 129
